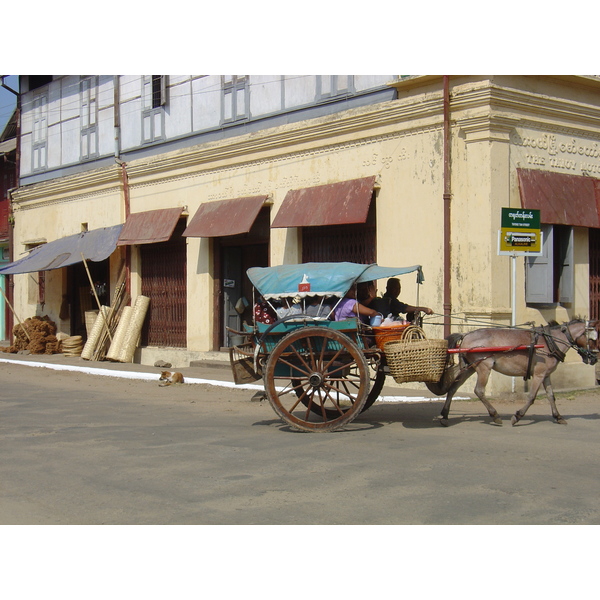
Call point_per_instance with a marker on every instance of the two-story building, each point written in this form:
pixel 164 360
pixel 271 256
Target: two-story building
pixel 210 175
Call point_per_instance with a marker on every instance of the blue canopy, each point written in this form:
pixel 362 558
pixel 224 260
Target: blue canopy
pixel 95 245
pixel 320 279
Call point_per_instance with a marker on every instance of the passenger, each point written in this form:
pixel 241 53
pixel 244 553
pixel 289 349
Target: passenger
pixel 350 308
pixel 389 303
pixel 263 313
pixel 317 307
pixel 288 308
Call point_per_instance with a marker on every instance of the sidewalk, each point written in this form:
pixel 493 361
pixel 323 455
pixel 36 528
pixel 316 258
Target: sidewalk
pixel 214 371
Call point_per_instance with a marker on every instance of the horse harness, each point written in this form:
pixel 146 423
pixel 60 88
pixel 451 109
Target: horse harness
pixel 553 349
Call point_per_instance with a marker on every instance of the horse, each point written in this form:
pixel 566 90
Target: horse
pixel 535 363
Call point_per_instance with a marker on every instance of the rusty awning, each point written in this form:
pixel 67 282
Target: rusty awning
pixel 332 204
pixel 149 227
pixel 562 199
pixel 225 217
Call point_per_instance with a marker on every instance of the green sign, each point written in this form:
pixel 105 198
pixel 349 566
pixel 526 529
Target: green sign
pixel 520 231
pixel 520 217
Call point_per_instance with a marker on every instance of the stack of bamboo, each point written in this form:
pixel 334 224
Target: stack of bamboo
pixel 106 322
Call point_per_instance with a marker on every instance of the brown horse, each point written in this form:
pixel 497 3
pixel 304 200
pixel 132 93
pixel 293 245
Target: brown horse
pixel 535 363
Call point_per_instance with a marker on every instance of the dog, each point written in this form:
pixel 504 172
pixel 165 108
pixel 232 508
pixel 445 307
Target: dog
pixel 168 378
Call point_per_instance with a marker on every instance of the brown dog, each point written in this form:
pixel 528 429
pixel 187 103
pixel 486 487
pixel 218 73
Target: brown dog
pixel 168 378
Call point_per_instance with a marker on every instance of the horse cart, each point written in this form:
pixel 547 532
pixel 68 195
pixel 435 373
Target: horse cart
pixel 320 374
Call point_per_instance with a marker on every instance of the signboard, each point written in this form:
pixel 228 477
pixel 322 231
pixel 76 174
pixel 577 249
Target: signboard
pixel 520 232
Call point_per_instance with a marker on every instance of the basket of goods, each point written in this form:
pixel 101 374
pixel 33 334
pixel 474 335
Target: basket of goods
pixel 415 358
pixel 389 333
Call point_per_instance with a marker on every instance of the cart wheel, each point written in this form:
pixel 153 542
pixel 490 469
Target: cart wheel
pixel 317 379
pixel 376 375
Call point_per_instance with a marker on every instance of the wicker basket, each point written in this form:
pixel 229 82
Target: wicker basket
pixel 389 333
pixel 416 360
pixel 242 364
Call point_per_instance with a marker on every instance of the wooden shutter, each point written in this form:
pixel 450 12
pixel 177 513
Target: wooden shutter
pixel 539 271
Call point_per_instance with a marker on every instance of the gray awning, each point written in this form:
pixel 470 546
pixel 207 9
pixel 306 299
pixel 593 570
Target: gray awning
pixel 95 245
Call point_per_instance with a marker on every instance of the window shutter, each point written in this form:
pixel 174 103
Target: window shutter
pixel 538 271
pixel 565 285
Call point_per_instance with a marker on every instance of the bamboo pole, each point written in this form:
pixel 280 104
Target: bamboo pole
pixel 96 295
pixel 14 313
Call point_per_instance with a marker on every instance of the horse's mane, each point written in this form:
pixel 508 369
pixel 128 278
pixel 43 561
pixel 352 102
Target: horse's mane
pixel 554 324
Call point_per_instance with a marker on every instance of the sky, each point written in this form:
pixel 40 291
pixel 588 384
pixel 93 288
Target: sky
pixel 8 101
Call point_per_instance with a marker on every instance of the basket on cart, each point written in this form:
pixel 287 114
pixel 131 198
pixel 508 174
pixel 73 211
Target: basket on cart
pixel 415 358
pixel 389 333
pixel 242 364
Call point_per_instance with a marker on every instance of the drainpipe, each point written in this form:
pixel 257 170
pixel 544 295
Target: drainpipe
pixel 447 212
pixel 10 281
pixel 124 178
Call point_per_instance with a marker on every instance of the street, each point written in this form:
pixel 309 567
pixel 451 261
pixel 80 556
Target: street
pixel 85 449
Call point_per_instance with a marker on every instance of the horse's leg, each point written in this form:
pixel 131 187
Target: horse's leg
pixel 536 381
pixel 483 374
pixel 550 393
pixel 462 376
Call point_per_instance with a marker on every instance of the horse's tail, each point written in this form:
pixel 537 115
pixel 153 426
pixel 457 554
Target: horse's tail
pixel 451 369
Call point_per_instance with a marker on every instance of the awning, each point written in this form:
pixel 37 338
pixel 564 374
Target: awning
pixel 8 146
pixel 562 199
pixel 95 245
pixel 333 204
pixel 225 217
pixel 149 227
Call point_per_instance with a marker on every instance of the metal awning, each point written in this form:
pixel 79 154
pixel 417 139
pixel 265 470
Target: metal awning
pixel 562 199
pixel 225 217
pixel 333 204
pixel 95 245
pixel 149 227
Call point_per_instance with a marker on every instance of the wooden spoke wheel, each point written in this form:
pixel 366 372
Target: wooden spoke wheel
pixel 377 376
pixel 317 379
pixel 377 380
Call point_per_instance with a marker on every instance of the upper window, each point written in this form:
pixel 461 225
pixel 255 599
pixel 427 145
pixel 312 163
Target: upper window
pixel 154 99
pixel 234 91
pixel 89 118
pixel 330 86
pixel 40 132
pixel 549 278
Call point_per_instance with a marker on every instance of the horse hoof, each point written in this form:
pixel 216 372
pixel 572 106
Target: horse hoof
pixel 497 421
pixel 444 422
pixel 561 421
pixel 514 420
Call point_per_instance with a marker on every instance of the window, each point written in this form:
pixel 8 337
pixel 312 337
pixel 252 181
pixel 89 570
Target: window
pixel 154 99
pixel 549 278
pixel 40 132
pixel 330 86
pixel 234 105
pixel 89 118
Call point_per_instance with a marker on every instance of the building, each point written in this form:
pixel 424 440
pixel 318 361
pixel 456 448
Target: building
pixel 8 181
pixel 213 174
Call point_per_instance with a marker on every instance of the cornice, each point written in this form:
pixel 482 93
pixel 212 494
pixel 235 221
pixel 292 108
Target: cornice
pixel 63 189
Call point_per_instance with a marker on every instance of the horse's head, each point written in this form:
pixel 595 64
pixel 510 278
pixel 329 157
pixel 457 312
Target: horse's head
pixel 581 334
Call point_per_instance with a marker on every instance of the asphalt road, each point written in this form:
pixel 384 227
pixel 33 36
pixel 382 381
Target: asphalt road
pixel 86 449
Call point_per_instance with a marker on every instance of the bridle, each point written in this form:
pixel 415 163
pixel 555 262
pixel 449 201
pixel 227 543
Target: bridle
pixel 588 356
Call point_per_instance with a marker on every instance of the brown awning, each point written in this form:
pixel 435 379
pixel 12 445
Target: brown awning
pixel 149 227
pixel 225 217
pixel 562 199
pixel 333 204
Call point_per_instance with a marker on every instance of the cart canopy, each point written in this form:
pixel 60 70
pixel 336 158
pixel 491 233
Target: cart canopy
pixel 320 279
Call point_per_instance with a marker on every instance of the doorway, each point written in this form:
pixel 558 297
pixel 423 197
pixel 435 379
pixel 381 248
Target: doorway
pixel 234 255
pixel 81 296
